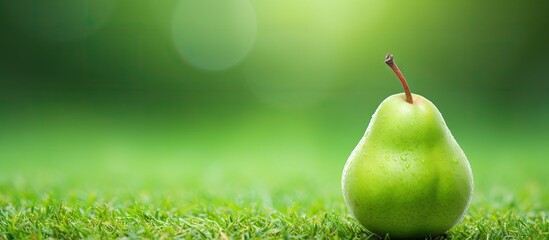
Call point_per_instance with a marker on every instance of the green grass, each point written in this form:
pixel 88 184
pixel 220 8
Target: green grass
pixel 178 200
pixel 232 184
pixel 59 213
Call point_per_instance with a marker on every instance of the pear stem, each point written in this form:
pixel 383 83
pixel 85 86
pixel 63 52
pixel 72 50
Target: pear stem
pixel 391 62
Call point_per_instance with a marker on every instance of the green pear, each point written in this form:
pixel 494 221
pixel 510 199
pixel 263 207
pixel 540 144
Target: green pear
pixel 407 177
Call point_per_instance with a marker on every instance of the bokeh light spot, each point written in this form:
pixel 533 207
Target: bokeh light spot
pixel 214 35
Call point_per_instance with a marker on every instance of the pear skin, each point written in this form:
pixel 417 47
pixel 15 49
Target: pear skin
pixel 407 177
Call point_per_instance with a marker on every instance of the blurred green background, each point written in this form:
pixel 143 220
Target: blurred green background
pixel 228 95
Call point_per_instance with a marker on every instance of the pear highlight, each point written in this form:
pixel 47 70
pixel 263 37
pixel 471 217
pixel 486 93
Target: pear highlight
pixel 407 177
